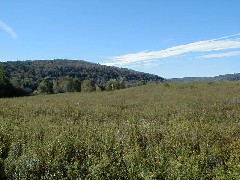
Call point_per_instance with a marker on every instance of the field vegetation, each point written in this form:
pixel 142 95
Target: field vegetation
pixel 157 131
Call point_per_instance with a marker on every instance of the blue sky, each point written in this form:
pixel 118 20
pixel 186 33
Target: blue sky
pixel 170 38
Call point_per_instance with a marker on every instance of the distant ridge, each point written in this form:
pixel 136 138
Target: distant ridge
pixel 226 77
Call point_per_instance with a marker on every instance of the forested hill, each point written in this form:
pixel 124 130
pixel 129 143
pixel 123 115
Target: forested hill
pixel 226 77
pixel 29 74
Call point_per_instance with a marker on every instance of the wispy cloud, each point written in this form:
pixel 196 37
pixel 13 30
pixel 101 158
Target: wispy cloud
pixel 8 29
pixel 219 55
pixel 223 43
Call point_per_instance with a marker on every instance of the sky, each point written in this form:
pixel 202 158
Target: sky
pixel 169 38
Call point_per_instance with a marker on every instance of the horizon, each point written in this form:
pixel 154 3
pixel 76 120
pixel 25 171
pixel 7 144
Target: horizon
pixel 167 38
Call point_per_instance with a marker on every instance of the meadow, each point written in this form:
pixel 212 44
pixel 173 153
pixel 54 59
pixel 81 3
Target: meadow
pixel 158 131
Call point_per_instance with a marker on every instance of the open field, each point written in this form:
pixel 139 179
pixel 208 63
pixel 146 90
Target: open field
pixel 161 131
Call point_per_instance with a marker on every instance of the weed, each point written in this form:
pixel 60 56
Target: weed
pixel 184 131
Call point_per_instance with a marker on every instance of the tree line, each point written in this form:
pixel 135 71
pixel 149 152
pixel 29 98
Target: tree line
pixel 226 77
pixel 69 84
pixel 59 76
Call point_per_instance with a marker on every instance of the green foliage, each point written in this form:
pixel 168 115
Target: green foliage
pixel 180 131
pixel 6 88
pixel 3 77
pixel 56 87
pixel 46 86
pixel 88 86
pixel 72 85
pixel 63 84
pixel 112 84
pixel 99 88
pixel 29 74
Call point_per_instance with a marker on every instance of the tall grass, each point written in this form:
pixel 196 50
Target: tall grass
pixel 174 131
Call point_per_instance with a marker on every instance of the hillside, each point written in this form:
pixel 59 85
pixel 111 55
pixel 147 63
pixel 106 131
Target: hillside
pixel 29 74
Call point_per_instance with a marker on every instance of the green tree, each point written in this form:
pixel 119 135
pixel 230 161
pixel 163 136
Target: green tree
pixel 56 86
pixel 66 84
pixel 4 81
pixel 99 87
pixel 6 88
pixel 122 83
pixel 88 86
pixel 77 85
pixel 72 85
pixel 46 86
pixel 113 84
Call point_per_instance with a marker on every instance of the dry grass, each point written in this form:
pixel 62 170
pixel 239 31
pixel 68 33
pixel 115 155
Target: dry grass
pixel 164 131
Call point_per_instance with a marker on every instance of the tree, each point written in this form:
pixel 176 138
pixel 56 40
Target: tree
pixel 46 86
pixel 66 84
pixel 4 81
pixel 113 84
pixel 88 86
pixel 72 85
pixel 6 88
pixel 77 85
pixel 122 83
pixel 56 87
pixel 99 87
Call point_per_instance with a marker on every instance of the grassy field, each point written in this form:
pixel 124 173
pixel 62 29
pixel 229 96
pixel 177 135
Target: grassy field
pixel 161 131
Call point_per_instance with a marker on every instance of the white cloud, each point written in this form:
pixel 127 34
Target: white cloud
pixel 219 55
pixel 223 43
pixel 8 29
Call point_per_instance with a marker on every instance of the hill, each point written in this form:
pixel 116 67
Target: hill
pixel 226 77
pixel 29 74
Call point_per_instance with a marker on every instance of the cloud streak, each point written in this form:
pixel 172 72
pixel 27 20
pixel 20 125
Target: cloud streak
pixel 219 55
pixel 223 43
pixel 8 29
